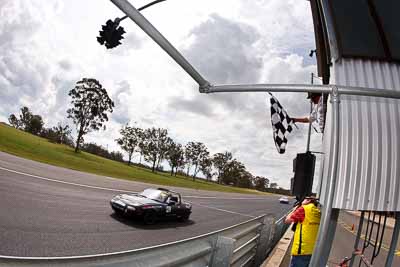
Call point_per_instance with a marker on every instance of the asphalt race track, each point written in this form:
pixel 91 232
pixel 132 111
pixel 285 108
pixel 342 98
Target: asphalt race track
pixel 52 211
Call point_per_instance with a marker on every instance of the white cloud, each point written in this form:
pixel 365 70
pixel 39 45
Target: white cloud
pixel 48 46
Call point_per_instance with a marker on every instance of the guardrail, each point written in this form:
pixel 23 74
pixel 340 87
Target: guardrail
pixel 244 244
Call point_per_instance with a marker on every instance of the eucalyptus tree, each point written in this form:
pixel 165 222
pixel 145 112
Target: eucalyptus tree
pixel 181 163
pixel 15 122
pixel 175 156
pixel 25 117
pixel 141 145
pixel 220 161
pixel 154 145
pixel 244 179
pixel 232 171
pixel 196 152
pixel 273 185
pixel 206 167
pixel 35 126
pixel 62 134
pixel 90 105
pixel 129 140
pixel 27 121
pixel 58 134
pixel 266 182
pixel 188 158
pixel 260 183
pixel 163 146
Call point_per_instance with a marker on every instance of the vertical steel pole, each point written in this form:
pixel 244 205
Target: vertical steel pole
pixel 360 225
pixel 393 243
pixel 329 216
pixel 151 31
pixel 309 124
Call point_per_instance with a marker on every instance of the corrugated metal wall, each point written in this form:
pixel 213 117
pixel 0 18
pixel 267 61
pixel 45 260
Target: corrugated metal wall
pixel 369 150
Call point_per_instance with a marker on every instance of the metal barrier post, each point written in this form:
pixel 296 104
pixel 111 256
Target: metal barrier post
pixel 223 252
pixel 358 236
pixel 329 215
pixel 393 244
pixel 264 240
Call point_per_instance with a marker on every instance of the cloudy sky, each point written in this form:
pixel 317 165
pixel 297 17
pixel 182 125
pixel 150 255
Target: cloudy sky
pixel 47 46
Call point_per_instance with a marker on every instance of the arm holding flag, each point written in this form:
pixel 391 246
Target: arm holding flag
pixel 302 120
pixel 317 115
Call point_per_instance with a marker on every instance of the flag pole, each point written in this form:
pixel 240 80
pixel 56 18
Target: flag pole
pixel 309 123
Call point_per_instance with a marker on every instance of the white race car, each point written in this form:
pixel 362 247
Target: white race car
pixel 284 200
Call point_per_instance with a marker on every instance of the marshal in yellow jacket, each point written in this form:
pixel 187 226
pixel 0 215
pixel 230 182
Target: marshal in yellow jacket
pixel 308 217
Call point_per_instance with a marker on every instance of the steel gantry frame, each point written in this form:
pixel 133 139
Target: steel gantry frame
pixel 329 215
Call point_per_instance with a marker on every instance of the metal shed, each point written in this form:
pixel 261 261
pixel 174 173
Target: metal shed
pixel 364 44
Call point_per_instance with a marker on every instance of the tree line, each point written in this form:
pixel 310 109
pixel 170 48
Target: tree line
pixel 90 107
pixel 155 146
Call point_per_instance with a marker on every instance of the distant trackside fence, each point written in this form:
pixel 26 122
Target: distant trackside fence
pixel 244 244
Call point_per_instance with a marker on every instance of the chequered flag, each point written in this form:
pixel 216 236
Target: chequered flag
pixel 282 124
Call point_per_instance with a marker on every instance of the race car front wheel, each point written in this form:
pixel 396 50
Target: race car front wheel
pixel 118 212
pixel 184 218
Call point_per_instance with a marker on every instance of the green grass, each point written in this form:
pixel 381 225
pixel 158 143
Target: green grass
pixel 29 146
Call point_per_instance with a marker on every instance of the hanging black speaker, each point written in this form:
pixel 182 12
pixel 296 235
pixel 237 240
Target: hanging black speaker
pixel 303 167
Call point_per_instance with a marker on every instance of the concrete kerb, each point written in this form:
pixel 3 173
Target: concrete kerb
pixel 276 258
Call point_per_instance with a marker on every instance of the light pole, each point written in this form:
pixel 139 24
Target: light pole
pixel 309 123
pixel 154 34
pixel 143 7
pixel 111 33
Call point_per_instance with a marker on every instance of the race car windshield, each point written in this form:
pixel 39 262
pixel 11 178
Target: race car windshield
pixel 154 194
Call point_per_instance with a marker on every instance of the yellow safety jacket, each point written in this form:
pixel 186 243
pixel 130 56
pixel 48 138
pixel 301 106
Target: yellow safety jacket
pixel 306 231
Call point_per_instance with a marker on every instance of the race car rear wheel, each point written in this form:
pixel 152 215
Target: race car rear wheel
pixel 150 217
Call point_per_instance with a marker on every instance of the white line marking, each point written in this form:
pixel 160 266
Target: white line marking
pixel 227 211
pixel 138 249
pixel 125 191
pixel 68 183
pixel 119 190
pixel 227 198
